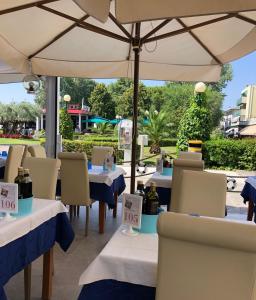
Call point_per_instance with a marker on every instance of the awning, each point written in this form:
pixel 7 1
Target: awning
pixel 249 131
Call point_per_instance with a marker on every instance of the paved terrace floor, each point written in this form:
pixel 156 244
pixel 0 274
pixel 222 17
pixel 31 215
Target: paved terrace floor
pixel 69 266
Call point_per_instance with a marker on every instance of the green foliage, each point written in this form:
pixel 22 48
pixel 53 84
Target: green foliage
pixel 195 123
pixel 40 97
pixel 124 104
pixel 77 88
pixel 13 115
pixel 232 154
pixel 225 77
pixel 66 125
pixel 86 146
pixel 101 102
pixel 117 88
pixel 103 128
pixel 166 142
pixel 156 129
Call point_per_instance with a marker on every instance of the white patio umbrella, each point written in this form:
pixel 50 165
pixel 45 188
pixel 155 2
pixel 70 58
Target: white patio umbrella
pixel 186 41
pixel 8 74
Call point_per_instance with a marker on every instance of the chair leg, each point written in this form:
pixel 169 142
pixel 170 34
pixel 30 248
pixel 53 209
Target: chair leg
pixel 27 282
pixel 87 219
pixel 78 210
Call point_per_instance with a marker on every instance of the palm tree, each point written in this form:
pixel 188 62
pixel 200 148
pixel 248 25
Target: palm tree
pixel 103 128
pixel 156 129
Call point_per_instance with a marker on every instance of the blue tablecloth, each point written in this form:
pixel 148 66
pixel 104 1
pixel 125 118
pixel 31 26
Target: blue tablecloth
pixel 116 290
pixel 249 193
pixel 164 195
pixel 102 191
pixel 18 254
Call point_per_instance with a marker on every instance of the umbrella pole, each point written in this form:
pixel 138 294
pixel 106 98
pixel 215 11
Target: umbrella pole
pixel 136 49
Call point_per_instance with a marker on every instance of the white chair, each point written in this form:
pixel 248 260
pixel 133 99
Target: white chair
pixel 75 188
pixel 178 166
pixel 37 151
pixel 190 155
pixel 99 153
pixel 202 193
pixel 44 173
pixel 13 161
pixel 202 258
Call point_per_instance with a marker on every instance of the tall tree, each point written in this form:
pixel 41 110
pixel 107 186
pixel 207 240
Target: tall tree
pixel 101 102
pixel 117 88
pixel 225 76
pixel 77 88
pixel 66 125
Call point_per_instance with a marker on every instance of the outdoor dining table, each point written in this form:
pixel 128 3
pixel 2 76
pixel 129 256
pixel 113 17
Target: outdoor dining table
pixel 29 236
pixel 125 269
pixel 163 187
pixel 105 187
pixel 249 195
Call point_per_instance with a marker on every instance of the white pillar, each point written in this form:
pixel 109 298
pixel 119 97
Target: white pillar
pixel 42 121
pixel 80 122
pixel 51 116
pixel 37 124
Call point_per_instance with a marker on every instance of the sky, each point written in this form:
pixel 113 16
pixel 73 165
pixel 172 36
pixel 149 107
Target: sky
pixel 244 73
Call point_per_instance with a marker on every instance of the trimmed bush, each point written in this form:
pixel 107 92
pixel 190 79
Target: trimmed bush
pixel 86 146
pixel 231 154
pixel 167 142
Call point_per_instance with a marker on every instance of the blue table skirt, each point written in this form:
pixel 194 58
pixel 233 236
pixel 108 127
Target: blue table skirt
pixel 101 191
pixel 249 193
pixel 2 175
pixel 116 290
pixel 164 195
pixel 18 254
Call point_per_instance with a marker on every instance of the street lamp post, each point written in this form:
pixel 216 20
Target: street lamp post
pixel 67 99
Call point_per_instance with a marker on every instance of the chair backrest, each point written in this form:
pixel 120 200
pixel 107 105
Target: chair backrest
pixel 75 189
pixel 202 193
pixel 37 151
pixel 203 258
pixel 44 173
pixel 190 155
pixel 25 154
pixel 13 161
pixel 178 166
pixel 99 153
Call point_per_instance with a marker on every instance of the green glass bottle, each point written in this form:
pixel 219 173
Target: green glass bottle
pixel 152 200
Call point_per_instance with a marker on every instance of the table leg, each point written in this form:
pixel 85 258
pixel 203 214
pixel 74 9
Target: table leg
pixel 250 210
pixel 27 282
pixel 115 208
pixel 102 210
pixel 47 275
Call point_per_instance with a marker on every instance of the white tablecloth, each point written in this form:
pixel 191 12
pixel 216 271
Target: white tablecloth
pixel 125 258
pixel 160 180
pixel 42 210
pixel 96 174
pixel 2 162
pixel 252 181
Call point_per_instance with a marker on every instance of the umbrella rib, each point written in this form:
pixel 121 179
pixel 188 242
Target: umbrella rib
pixel 57 37
pixel 157 28
pixel 200 42
pixel 85 25
pixel 184 30
pixel 130 46
pixel 120 26
pixel 25 6
pixel 253 22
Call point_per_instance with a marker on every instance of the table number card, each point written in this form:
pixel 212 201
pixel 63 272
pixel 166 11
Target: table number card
pixel 132 209
pixel 8 197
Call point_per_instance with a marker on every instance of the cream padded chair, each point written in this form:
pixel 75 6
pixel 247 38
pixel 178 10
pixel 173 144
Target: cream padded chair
pixel 202 193
pixel 13 161
pixel 202 258
pixel 44 173
pixel 75 188
pixel 37 151
pixel 25 154
pixel 190 155
pixel 178 166
pixel 99 153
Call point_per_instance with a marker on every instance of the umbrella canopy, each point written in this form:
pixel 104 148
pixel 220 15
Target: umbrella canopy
pixel 8 74
pixel 115 121
pixel 96 120
pixel 59 39
pixel 178 41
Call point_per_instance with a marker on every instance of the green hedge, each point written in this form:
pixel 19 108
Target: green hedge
pixel 231 154
pixel 86 146
pixel 167 142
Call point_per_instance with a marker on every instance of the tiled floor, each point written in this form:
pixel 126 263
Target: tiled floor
pixel 69 266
